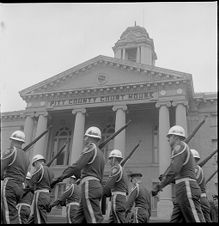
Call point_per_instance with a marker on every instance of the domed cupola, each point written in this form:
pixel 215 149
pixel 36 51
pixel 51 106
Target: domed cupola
pixel 135 45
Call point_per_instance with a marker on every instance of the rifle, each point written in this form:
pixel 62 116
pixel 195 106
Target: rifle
pixel 203 162
pixel 130 154
pixel 56 156
pixel 212 175
pixel 195 130
pixel 36 139
pixel 101 145
pixel 187 141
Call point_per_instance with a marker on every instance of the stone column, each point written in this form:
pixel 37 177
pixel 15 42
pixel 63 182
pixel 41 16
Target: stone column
pixel 138 55
pixel 181 118
pixel 39 146
pixel 78 135
pixel 165 205
pixel 28 131
pixel 123 53
pixel 119 140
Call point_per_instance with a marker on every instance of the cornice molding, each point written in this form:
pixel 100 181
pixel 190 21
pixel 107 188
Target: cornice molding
pixel 114 62
pixel 102 89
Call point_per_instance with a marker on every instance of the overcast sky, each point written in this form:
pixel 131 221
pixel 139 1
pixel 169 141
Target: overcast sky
pixel 40 40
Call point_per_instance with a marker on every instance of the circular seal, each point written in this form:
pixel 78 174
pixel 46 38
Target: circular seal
pixel 102 78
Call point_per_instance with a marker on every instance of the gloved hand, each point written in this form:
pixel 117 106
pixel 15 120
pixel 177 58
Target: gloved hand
pixel 155 191
pixel 55 181
pixel 160 177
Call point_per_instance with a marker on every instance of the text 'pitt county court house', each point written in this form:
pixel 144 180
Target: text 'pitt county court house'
pixel 107 92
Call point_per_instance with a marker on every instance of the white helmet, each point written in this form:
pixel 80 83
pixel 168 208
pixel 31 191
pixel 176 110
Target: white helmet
pixel 195 153
pixel 37 157
pixel 18 135
pixel 28 176
pixel 93 132
pixel 116 153
pixel 73 177
pixel 177 130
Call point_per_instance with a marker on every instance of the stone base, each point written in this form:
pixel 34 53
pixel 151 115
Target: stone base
pixel 164 209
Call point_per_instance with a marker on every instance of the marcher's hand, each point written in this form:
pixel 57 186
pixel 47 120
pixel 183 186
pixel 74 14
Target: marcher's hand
pixel 55 181
pixel 156 189
pixel 160 177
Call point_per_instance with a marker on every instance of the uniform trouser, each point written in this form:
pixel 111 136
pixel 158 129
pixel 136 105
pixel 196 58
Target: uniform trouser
pixel 118 211
pixel 141 215
pixel 187 207
pixel 89 209
pixel 24 211
pixel 71 211
pixel 41 201
pixel 205 206
pixel 12 192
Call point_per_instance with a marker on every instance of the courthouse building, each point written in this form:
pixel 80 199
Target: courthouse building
pixel 107 92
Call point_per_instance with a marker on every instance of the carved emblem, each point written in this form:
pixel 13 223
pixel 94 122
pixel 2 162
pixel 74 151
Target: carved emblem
pixel 102 78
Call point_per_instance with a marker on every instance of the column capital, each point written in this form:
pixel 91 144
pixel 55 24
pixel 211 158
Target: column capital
pixel 75 111
pixel 43 113
pixel 116 107
pixel 163 103
pixel 183 102
pixel 29 114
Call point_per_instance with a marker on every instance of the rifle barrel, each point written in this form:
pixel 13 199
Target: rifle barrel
pixel 212 175
pixel 56 156
pixel 36 139
pixel 113 135
pixel 204 161
pixel 130 154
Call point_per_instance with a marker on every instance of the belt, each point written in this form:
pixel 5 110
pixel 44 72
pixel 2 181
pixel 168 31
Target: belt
pixel 22 204
pixel 88 178
pixel 72 203
pixel 184 179
pixel 42 190
pixel 118 193
pixel 203 195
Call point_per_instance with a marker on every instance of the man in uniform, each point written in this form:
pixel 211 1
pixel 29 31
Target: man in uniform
pixel 24 206
pixel 40 182
pixel 91 167
pixel 140 199
pixel 187 207
pixel 205 205
pixel 214 208
pixel 14 168
pixel 117 186
pixel 70 198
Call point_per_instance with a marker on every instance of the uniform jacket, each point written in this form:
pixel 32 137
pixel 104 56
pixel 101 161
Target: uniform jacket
pixel 71 194
pixel 14 164
pixel 182 164
pixel 42 178
pixel 90 163
pixel 139 196
pixel 117 181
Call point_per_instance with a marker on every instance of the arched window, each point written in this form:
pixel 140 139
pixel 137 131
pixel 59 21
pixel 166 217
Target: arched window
pixel 61 137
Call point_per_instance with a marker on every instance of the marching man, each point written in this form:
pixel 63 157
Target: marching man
pixel 14 168
pixel 117 186
pixel 40 182
pixel 90 166
pixel 205 205
pixel 187 207
pixel 140 198
pixel 70 198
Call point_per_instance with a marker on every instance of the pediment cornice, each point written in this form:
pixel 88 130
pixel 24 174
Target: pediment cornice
pixel 152 75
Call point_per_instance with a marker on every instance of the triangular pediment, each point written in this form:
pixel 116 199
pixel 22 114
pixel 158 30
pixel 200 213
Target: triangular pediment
pixel 103 71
